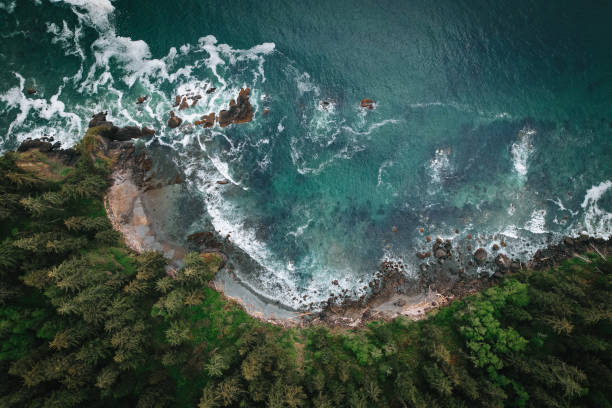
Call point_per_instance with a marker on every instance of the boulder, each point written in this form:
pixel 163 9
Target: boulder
pixel 480 255
pixel 174 121
pixel 177 101
pixel 367 103
pixel 147 132
pixel 503 262
pixel 141 99
pixel 31 91
pixel 184 104
pixel 127 133
pixel 211 90
pixel 568 241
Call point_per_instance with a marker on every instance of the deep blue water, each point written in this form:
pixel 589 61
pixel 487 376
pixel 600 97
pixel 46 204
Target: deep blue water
pixel 491 118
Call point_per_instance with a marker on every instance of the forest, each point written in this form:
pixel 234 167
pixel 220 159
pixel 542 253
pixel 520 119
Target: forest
pixel 85 322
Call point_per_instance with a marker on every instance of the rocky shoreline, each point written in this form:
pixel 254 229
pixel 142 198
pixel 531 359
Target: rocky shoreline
pixel 135 206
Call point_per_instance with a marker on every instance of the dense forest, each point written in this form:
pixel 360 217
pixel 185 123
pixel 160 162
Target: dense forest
pixel 84 322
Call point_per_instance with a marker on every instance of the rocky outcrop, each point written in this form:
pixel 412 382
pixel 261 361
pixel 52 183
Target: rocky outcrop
pixel 480 256
pixel 442 249
pixel 207 120
pixel 174 121
pixel 211 90
pixel 47 145
pixel 113 132
pixel 240 110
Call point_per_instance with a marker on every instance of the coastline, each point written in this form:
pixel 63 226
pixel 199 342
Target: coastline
pixel 138 199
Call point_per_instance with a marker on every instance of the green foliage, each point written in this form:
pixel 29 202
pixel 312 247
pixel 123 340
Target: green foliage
pixel 85 322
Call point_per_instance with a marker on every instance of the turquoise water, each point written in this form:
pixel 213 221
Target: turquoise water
pixel 491 118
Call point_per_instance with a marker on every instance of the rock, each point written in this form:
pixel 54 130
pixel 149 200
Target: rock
pixel 335 282
pixel 367 103
pixel 39 144
pixel 184 104
pixel 503 243
pixel 177 101
pixel 147 132
pixel 469 236
pixel 31 91
pixel 222 182
pixel 568 241
pixel 240 110
pixel 207 120
pixel 421 230
pixel 440 253
pixel 127 133
pixel 265 112
pixel 211 90
pixel 400 303
pixel 495 247
pixel 141 99
pixel 480 255
pixel 394 229
pixel 99 119
pixel 502 261
pixel 174 121
pixel 195 101
pixel 515 266
pixel 428 238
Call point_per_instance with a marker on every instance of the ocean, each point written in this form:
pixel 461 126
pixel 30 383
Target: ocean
pixel 490 119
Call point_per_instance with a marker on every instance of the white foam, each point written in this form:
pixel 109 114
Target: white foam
pixel 521 151
pixel 8 6
pixel 439 168
pixel 597 222
pixel 537 222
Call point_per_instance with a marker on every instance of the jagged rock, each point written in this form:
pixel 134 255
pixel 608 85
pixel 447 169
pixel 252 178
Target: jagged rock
pixel 99 119
pixel 207 120
pixel 502 261
pixel 177 101
pixel 141 99
pixel 127 133
pixel 367 103
pixel 174 121
pixel 184 104
pixel 240 110
pixel 495 247
pixel 480 255
pixel 211 90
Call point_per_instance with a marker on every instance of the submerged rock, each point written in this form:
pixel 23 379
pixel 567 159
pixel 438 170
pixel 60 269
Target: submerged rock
pixel 31 91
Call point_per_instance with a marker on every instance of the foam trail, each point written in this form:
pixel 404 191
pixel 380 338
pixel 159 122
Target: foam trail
pixel 597 222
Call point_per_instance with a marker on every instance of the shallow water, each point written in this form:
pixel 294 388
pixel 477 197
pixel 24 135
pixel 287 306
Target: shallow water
pixel 493 119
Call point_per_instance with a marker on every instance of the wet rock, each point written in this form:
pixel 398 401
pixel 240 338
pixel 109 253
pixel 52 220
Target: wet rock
pixel 184 104
pixel 174 121
pixel 568 241
pixel 399 303
pixel 367 103
pixel 469 236
pixel 222 182
pixel 265 112
pixel 240 110
pixel 141 99
pixel 99 119
pixel 428 238
pixel 211 90
pixel 394 229
pixel 335 282
pixel 207 120
pixel 440 253
pixel 127 133
pixel 495 247
pixel 31 91
pixel 177 101
pixel 502 261
pixel 147 131
pixel 480 255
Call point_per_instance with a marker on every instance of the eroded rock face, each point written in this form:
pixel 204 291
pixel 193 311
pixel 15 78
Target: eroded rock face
pixel 174 121
pixel 240 110
pixel 480 255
